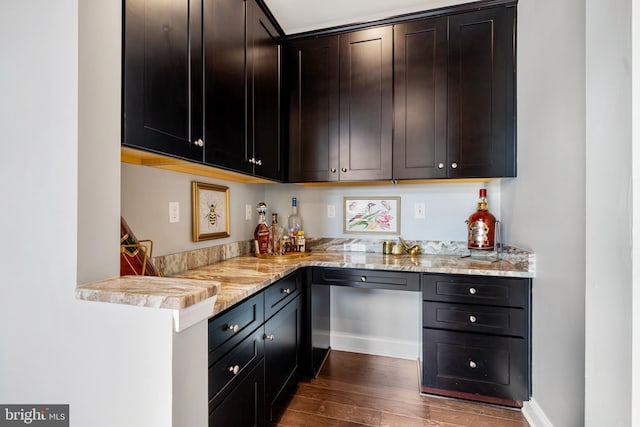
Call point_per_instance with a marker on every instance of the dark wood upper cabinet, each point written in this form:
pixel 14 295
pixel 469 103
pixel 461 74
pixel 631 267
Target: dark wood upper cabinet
pixel 224 87
pixel 162 77
pixel 263 94
pixel 313 73
pixel 481 99
pixel 366 104
pixel 420 97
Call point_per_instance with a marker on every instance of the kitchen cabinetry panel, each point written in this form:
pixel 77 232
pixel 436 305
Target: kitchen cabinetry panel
pixel 509 292
pixel 481 100
pixel 372 279
pixel 162 77
pixel 224 71
pixel 366 101
pixel 420 109
pixel 313 72
pixel 475 318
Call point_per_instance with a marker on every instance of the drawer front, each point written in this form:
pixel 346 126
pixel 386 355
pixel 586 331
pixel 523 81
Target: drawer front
pixel 244 405
pixel 477 364
pixel 475 318
pixel 373 279
pixel 231 368
pixel 229 328
pixel 500 291
pixel 280 293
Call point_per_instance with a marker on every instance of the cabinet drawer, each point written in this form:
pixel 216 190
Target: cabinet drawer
pixel 474 363
pixel 280 293
pixel 229 328
pixel 500 291
pixel 360 278
pixel 475 318
pixel 232 367
pixel 244 405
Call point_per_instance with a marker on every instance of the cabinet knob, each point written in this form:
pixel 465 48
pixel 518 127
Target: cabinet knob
pixel 252 160
pixel 472 364
pixel 363 278
pixel 286 291
pixel 473 319
pixel 234 369
pixel 440 165
pixel 333 170
pixel 472 291
pixel 233 328
pixel 199 142
pixel 343 169
pixel 268 337
pixel 454 165
pixel 258 162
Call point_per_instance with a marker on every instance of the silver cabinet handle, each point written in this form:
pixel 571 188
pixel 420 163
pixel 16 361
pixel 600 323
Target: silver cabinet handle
pixel 233 328
pixel 333 170
pixel 199 142
pixel 252 161
pixel 472 364
pixel 286 291
pixel 234 369
pixel 363 278
pixel 259 162
pixel 343 169
pixel 473 319
pixel 472 291
pixel 454 165
pixel 440 165
pixel 269 337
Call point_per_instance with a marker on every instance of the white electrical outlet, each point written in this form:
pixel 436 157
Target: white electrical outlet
pixel 174 212
pixel 247 212
pixel 419 210
pixel 331 211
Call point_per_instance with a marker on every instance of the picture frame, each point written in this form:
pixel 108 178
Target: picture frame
pixel 209 211
pixel 371 215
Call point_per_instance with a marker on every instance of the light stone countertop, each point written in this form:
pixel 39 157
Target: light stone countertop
pixel 235 279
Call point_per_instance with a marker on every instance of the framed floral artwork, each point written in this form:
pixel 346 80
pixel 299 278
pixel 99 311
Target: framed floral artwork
pixel 210 211
pixel 372 215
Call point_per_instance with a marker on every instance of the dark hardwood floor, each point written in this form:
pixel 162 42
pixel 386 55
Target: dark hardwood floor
pixel 362 390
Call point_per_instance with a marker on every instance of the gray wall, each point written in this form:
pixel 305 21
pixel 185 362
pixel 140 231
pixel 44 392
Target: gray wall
pixel 545 205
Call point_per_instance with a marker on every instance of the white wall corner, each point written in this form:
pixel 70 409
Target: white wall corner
pixel 534 414
pixel 377 346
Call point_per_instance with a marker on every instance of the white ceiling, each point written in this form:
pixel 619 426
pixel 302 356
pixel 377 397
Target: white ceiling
pixel 296 16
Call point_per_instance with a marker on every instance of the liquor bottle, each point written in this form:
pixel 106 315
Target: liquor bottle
pixel 274 235
pixel 261 233
pixel 481 225
pixel 295 222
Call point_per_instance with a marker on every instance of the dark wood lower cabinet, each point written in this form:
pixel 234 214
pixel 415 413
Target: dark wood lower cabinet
pixel 244 406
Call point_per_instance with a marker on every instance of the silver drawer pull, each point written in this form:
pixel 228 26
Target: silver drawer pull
pixel 473 319
pixel 472 291
pixel 269 337
pixel 233 328
pixel 234 369
pixel 472 364
pixel 286 291
pixel 363 278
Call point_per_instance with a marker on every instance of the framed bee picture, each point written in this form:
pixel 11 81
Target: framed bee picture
pixel 209 211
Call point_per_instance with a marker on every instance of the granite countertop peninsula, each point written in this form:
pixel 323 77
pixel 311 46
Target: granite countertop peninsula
pixel 227 274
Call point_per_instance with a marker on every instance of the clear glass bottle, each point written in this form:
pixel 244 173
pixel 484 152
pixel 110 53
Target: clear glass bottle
pixel 261 233
pixel 481 225
pixel 294 223
pixel 274 235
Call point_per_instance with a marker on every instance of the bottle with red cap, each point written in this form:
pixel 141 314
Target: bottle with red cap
pixel 481 225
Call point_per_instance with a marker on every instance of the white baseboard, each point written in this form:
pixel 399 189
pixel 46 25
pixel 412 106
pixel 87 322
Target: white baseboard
pixel 378 346
pixel 535 415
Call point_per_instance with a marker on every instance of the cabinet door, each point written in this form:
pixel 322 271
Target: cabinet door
pixel 313 72
pixel 263 93
pixel 224 65
pixel 366 98
pixel 162 77
pixel 420 110
pixel 244 406
pixel 282 347
pixel 481 94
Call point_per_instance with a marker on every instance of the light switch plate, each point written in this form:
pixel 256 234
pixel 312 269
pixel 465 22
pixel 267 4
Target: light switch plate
pixel 247 212
pixel 331 211
pixel 174 212
pixel 419 210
